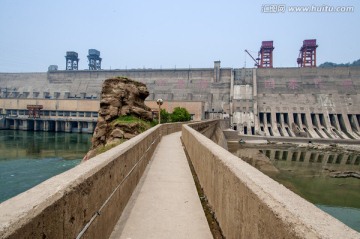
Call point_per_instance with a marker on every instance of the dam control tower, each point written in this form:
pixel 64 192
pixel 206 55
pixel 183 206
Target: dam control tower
pixel 72 60
pixel 94 60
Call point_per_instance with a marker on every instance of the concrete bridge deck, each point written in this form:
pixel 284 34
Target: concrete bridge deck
pixel 165 203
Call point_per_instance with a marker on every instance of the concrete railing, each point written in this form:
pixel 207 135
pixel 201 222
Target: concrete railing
pixel 249 204
pixel 86 201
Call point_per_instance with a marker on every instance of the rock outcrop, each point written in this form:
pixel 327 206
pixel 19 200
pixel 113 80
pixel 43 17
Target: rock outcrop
pixel 120 97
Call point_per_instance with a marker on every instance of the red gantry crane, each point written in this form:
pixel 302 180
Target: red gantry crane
pixel 307 54
pixel 265 55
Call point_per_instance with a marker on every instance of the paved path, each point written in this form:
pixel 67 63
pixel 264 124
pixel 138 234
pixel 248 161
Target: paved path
pixel 165 204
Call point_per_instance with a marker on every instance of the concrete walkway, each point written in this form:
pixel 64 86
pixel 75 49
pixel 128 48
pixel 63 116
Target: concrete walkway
pixel 165 204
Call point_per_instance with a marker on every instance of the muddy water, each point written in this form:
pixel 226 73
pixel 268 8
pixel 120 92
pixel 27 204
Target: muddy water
pixel 325 176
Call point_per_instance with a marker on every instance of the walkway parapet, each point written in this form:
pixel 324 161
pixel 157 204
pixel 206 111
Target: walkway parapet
pixel 249 204
pixel 86 201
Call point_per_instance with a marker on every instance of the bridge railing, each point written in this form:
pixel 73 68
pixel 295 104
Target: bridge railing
pixel 86 201
pixel 249 204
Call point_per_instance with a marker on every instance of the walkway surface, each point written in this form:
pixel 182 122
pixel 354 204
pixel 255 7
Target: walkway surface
pixel 165 203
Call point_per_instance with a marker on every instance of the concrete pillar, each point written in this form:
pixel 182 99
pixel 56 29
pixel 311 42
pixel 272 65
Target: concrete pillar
pixel 24 125
pixel 283 125
pixel 307 158
pixel 291 122
pixel 217 71
pixel 346 122
pixel 274 124
pixel 35 125
pixel 327 121
pixel 325 159
pixel 348 126
pixel 16 124
pixel 45 125
pixel 289 156
pixel 266 130
pixel 255 103
pixel 344 159
pixel 57 123
pixel 310 126
pixel 272 154
pixel 91 127
pixel 317 121
pixel 79 126
pixel 355 122
pixel 67 126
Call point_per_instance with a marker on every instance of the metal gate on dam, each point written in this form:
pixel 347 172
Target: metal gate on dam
pixel 290 102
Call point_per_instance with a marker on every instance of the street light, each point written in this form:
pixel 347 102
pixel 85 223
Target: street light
pixel 159 102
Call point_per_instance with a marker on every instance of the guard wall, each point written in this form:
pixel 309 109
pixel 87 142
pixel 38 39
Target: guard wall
pixel 247 203
pixel 86 200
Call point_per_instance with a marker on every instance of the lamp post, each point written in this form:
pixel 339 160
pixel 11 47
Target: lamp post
pixel 159 102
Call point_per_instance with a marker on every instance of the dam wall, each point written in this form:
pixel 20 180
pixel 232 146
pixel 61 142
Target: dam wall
pixel 318 103
pixel 207 85
pixel 86 201
pixel 249 204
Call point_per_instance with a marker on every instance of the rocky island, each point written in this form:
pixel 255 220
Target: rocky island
pixel 122 114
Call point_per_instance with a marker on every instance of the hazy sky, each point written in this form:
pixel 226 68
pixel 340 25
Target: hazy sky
pixel 157 33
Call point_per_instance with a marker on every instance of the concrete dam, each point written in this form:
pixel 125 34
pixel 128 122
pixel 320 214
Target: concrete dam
pixel 285 102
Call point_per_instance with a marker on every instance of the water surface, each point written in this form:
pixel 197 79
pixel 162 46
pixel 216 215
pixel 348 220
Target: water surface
pixel 28 158
pixel 310 174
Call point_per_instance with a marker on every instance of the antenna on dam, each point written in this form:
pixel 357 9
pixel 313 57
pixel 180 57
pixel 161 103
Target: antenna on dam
pixel 94 60
pixel 72 60
pixel 307 54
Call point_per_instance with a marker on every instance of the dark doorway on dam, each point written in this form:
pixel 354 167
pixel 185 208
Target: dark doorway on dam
pixel 322 120
pixel 296 119
pixel 261 118
pixel 268 118
pixel 30 125
pixel 313 119
pixel 245 129
pixel 286 118
pixel 278 118
pixel 333 121
pixel 303 119
pixel 51 126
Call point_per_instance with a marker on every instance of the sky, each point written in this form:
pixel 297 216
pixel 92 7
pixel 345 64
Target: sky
pixel 157 34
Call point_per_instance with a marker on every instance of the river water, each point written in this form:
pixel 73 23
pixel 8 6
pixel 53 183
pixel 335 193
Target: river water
pixel 310 174
pixel 28 158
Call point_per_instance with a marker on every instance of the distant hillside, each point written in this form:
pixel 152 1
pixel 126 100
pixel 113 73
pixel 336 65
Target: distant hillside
pixel 331 64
